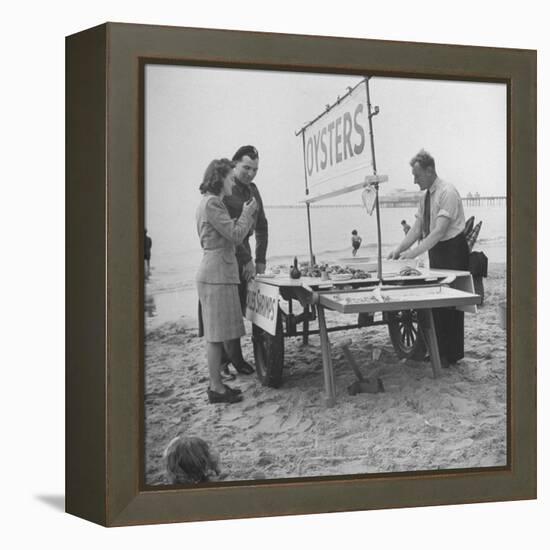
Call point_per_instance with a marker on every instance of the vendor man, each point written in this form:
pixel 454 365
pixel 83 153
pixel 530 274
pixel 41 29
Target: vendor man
pixel 246 161
pixel 440 224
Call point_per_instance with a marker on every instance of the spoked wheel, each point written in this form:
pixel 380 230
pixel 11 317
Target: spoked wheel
pixel 405 334
pixel 269 354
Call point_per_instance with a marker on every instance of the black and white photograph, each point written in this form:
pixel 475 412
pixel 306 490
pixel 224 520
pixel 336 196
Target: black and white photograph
pixel 129 123
pixel 325 275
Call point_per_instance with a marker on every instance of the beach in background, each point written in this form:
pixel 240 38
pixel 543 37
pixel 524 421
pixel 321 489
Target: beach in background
pixel 171 292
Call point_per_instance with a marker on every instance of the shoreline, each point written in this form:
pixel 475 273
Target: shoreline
pixel 418 423
pixel 180 304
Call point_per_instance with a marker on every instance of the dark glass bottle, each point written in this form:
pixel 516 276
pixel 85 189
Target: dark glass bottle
pixel 294 271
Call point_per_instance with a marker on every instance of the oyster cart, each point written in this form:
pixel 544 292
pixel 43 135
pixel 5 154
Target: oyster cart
pixel 338 160
pixel 405 306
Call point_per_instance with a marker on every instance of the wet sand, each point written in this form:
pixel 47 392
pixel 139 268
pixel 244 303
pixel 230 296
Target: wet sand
pixel 418 423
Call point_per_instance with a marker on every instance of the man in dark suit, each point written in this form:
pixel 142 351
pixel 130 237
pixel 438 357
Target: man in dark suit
pixel 246 161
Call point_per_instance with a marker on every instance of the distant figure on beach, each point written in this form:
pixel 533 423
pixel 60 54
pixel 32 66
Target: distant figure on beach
pixel 148 245
pixel 246 160
pixel 150 306
pixel 190 460
pixel 355 242
pixel 440 224
pixel 218 275
pixel 406 226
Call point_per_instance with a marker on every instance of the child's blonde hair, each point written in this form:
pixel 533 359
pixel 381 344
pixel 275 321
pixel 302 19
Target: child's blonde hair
pixel 189 460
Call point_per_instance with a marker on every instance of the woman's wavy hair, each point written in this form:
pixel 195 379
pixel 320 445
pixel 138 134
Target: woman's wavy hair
pixel 215 173
pixel 188 460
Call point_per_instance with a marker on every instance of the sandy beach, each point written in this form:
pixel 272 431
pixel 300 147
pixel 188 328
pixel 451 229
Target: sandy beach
pixel 418 422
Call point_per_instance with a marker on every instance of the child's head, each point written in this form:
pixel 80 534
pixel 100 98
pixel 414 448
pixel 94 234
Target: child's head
pixel 354 232
pixel 403 222
pixel 189 460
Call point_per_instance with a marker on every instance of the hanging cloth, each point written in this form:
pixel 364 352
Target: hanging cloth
pixel 368 196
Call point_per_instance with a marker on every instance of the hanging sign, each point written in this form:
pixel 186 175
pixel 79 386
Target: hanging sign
pixel 262 305
pixel 337 147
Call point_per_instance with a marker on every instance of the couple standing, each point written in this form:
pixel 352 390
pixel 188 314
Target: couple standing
pixel 230 211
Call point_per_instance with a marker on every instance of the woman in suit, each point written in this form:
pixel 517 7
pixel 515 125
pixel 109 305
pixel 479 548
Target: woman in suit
pixel 218 275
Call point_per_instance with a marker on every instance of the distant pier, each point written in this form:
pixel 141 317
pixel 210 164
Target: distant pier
pixel 484 201
pixel 394 202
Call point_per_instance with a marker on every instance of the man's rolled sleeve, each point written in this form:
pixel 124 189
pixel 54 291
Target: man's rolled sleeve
pixel 448 205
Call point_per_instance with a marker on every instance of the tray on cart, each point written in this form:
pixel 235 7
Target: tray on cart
pixel 395 298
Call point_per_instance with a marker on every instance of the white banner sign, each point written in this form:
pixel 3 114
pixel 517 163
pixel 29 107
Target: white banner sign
pixel 262 305
pixel 337 146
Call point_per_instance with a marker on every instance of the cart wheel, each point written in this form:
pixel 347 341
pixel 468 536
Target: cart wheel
pixel 405 336
pixel 269 354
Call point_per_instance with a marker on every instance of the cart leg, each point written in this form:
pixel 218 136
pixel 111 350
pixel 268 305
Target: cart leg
pixel 305 338
pixel 428 328
pixel 330 394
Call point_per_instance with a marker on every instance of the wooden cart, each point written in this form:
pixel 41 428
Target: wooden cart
pixel 407 312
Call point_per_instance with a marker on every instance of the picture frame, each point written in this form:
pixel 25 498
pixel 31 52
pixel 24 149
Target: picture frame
pixel 104 273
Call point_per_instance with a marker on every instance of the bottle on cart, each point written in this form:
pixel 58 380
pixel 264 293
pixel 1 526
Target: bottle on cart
pixel 294 270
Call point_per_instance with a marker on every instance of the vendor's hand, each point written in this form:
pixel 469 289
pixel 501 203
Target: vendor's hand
pixel 393 255
pixel 249 271
pixel 250 206
pixel 408 255
pixel 260 268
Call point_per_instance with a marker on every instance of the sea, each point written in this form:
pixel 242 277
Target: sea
pixel 170 291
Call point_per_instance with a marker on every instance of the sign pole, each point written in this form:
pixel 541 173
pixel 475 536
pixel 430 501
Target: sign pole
pixel 311 257
pixel 371 114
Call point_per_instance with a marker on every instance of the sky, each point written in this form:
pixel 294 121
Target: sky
pixel 195 114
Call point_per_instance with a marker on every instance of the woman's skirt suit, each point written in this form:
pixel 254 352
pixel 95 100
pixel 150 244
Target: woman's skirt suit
pixel 218 275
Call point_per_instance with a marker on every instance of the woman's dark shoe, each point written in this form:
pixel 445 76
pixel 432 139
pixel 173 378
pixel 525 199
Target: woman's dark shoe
pixel 236 391
pixel 228 396
pixel 244 368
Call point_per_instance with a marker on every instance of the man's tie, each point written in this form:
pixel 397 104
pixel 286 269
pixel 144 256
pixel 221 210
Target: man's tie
pixel 426 224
